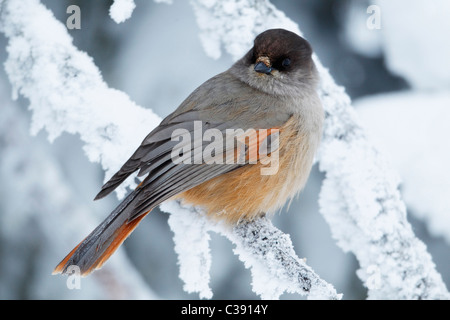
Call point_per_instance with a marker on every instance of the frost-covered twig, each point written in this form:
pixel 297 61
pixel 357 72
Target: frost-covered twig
pixel 234 24
pixel 42 216
pixel 360 197
pixel 66 90
pixel 361 202
pixel 67 93
pixel 274 264
pixel 264 249
pixel 121 10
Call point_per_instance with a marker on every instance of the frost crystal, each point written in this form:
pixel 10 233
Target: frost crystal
pixel 66 90
pixel 235 24
pixel 361 202
pixel 121 10
pixel 263 249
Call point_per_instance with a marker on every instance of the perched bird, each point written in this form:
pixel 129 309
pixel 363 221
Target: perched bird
pixel 273 87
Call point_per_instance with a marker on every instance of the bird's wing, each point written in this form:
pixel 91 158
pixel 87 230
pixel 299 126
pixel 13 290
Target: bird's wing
pixel 167 177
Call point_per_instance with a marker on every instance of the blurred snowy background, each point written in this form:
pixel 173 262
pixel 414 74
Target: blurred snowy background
pixel 398 77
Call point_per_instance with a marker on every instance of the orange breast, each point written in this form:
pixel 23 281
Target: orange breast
pixel 245 193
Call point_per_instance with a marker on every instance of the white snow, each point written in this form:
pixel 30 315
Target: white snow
pixel 234 24
pixel 415 41
pixel 45 219
pixel 164 1
pixel 274 265
pixel 263 249
pixel 362 204
pixel 357 35
pixel 412 39
pixel 66 90
pixel 191 240
pixel 412 128
pixel 121 10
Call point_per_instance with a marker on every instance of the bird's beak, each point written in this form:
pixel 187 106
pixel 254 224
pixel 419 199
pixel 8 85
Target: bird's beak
pixel 263 65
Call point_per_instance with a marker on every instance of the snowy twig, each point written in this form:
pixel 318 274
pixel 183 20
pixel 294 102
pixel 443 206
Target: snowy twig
pixel 260 246
pixel 121 10
pixel 362 204
pixel 235 24
pixel 42 211
pixel 271 256
pixel 66 90
pixel 67 93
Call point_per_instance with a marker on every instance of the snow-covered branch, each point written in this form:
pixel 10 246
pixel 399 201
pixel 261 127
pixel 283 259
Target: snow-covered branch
pixel 415 134
pixel 67 94
pixel 234 24
pixel 121 10
pixel 42 217
pixel 361 202
pixel 66 90
pixel 264 249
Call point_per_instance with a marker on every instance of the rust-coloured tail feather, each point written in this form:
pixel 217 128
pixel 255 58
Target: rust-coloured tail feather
pixel 97 247
pixel 60 267
pixel 122 233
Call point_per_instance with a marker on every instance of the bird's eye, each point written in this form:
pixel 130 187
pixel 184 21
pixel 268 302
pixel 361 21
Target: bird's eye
pixel 286 62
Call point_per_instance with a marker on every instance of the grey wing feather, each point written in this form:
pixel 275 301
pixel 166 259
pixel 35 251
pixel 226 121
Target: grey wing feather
pixel 219 103
pixel 184 179
pixel 154 155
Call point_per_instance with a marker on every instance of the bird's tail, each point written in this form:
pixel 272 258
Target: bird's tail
pixel 98 246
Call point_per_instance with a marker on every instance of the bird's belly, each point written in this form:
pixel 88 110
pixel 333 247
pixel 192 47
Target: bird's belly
pixel 245 193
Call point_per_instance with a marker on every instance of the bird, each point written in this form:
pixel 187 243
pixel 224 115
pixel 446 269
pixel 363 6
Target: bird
pixel 273 87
